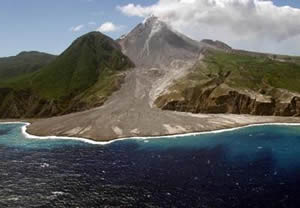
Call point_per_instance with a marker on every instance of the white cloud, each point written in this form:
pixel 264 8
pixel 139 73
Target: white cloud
pixel 250 24
pixel 77 28
pixel 109 27
pixel 136 10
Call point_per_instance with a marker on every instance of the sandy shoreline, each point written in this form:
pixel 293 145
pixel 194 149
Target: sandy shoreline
pixel 128 113
pixel 90 141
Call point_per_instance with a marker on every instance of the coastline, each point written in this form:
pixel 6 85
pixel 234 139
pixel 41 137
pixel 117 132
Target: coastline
pixel 90 141
pixel 129 113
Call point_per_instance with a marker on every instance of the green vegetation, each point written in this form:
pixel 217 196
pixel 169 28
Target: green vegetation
pixel 23 63
pixel 233 82
pixel 251 72
pixel 81 77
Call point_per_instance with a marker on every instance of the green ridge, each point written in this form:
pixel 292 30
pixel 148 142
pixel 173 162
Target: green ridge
pixel 233 82
pixel 23 63
pixel 82 77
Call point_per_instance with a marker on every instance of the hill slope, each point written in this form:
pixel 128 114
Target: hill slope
pixel 82 77
pixel 180 74
pixel 234 82
pixel 211 77
pixel 23 63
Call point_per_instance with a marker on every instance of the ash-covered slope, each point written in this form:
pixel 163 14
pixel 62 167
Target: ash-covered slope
pixel 209 76
pixel 153 44
pixel 178 74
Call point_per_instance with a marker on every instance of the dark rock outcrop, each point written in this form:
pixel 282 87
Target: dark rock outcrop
pixel 27 104
pixel 234 102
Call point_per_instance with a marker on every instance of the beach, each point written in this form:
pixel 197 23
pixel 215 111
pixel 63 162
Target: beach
pixel 27 134
pixel 129 112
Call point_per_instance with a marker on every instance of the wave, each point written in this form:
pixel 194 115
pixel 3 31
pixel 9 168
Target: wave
pixel 29 136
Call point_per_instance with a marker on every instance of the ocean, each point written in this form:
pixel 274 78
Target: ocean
pixel 256 166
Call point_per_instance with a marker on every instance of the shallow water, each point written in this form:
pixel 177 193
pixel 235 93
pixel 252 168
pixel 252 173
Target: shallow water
pixel 249 167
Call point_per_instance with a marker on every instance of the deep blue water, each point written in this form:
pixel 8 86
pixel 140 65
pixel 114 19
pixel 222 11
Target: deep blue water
pixel 250 167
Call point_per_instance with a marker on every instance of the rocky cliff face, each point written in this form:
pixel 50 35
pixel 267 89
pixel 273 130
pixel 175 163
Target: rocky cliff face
pixel 23 103
pixel 230 83
pixel 234 102
pixel 27 104
pixel 225 82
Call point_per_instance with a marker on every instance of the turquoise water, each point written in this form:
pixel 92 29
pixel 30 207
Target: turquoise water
pixel 283 142
pixel 249 167
pixel 11 136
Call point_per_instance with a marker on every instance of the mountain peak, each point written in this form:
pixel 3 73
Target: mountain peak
pixel 94 35
pixel 93 40
pixel 155 23
pixel 30 53
pixel 150 19
pixel 154 43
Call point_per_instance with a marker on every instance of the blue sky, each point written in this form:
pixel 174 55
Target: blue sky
pixel 293 3
pixel 45 25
